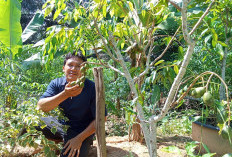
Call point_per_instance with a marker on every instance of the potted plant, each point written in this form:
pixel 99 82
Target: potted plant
pixel 211 125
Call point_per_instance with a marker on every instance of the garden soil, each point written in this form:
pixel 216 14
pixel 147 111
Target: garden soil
pixel 118 146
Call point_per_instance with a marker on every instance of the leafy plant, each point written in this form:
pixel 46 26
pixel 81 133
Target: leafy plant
pixel 190 148
pixel 10 28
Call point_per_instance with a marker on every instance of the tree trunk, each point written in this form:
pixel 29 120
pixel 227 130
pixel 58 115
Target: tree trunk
pixel 136 132
pixel 153 139
pixel 100 112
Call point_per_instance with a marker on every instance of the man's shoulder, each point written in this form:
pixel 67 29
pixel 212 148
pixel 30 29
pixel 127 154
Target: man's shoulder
pixel 89 85
pixel 89 82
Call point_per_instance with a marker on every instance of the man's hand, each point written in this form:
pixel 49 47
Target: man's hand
pixel 74 146
pixel 72 91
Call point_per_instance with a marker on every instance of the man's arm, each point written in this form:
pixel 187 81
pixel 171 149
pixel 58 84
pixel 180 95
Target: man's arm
pixel 74 144
pixel 49 103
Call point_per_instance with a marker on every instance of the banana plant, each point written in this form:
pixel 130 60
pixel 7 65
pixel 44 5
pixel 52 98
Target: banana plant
pixel 10 27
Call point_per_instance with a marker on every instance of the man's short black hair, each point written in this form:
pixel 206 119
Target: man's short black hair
pixel 77 54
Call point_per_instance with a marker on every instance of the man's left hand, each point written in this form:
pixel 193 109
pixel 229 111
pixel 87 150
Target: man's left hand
pixel 73 146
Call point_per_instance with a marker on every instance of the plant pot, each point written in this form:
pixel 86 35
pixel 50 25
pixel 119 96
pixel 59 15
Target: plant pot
pixel 208 135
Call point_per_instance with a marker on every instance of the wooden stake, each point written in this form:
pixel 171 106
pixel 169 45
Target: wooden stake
pixel 100 112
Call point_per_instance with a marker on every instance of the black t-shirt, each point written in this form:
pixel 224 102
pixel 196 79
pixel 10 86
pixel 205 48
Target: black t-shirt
pixel 81 109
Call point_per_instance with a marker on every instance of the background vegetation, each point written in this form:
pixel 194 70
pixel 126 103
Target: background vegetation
pixel 35 57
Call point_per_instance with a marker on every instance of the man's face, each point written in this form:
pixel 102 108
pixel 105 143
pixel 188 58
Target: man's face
pixel 72 69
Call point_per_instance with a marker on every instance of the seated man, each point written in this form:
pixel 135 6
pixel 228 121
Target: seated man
pixel 78 105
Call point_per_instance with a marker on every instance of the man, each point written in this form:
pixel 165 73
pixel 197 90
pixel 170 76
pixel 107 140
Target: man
pixel 78 104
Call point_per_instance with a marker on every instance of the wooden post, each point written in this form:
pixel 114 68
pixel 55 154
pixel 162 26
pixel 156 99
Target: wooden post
pixel 100 112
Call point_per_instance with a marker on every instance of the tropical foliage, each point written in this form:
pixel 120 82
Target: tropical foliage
pixel 145 47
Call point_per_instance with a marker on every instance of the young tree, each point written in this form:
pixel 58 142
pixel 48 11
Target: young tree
pixel 122 28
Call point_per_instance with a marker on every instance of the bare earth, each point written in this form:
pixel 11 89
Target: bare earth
pixel 120 147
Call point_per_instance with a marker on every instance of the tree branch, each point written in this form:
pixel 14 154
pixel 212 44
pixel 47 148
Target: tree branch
pixel 147 64
pixel 133 89
pixel 107 66
pixel 104 42
pixel 165 50
pixel 175 5
pixel 184 22
pixel 180 75
pixel 202 17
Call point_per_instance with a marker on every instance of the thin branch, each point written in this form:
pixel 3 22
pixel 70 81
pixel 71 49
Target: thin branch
pixel 150 37
pixel 189 88
pixel 175 5
pixel 183 82
pixel 167 47
pixel 180 75
pixel 151 40
pixel 107 66
pixel 104 42
pixel 195 80
pixel 124 12
pixel 147 64
pixel 207 84
pixel 202 17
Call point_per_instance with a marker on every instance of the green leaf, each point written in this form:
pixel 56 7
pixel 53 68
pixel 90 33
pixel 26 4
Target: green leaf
pixel 43 126
pixel 204 31
pixel 208 38
pixel 155 94
pixel 206 148
pixel 56 14
pixel 134 101
pixel 10 28
pixel 171 149
pixel 208 155
pixel 154 76
pixel 53 130
pixel 122 45
pixel 204 58
pixel 104 10
pixel 220 51
pixel 33 26
pixel 214 43
pixel 190 147
pixel 131 6
pixel 76 15
pixel 176 69
pixel 46 150
pixel 215 38
pixel 159 62
pixel 48 10
pixel 38 141
pixel 222 43
pixel 227 155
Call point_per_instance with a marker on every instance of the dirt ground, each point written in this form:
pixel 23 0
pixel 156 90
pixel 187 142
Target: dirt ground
pixel 120 147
